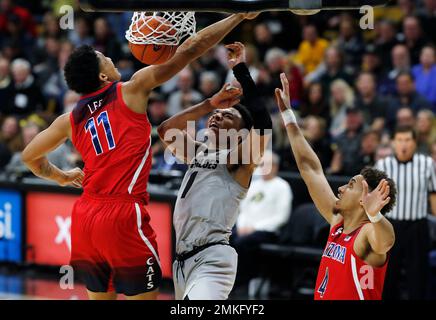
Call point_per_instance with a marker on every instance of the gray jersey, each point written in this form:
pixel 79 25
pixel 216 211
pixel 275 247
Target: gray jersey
pixel 208 202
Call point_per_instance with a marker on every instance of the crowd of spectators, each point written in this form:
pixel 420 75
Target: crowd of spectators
pixel 350 87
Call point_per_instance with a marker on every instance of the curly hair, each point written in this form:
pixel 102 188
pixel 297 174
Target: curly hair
pixel 82 70
pixel 373 177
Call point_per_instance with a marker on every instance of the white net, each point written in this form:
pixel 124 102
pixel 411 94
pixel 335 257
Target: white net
pixel 162 28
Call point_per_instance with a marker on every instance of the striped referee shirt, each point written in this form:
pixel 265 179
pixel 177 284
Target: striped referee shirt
pixel 414 179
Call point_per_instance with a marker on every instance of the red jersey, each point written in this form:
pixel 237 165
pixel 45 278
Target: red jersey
pixel 114 142
pixel 342 275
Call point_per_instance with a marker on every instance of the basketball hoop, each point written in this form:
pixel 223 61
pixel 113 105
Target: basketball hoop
pixel 173 27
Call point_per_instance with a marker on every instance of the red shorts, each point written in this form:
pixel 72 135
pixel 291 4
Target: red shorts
pixel 113 246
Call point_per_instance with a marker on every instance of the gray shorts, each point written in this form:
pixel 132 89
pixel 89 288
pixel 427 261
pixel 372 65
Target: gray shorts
pixel 208 275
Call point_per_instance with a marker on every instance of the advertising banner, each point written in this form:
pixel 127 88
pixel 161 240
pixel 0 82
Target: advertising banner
pixel 10 226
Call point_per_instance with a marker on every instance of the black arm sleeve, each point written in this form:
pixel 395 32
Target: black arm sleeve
pixel 252 100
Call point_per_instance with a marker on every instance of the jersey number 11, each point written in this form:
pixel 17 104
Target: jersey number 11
pixel 91 127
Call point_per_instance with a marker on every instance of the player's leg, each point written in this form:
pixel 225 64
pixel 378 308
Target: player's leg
pixel 87 263
pixel 131 250
pixel 179 280
pixel 212 274
pixel 102 295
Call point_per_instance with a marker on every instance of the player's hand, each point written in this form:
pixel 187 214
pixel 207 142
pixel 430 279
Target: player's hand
pixel 227 97
pixel 73 177
pixel 373 202
pixel 236 54
pixel 283 95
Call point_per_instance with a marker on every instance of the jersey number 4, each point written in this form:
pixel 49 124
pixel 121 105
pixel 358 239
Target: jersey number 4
pixel 323 286
pixel 91 127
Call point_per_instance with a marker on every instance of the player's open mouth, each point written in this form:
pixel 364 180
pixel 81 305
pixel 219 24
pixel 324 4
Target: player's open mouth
pixel 213 125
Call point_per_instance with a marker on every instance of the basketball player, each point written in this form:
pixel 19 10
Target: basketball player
pixel 355 258
pixel 113 246
pixel 208 200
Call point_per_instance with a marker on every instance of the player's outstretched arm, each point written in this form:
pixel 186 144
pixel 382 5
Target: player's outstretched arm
pixel 307 161
pixel 34 155
pixel 259 136
pixel 172 131
pixel 151 77
pixel 380 233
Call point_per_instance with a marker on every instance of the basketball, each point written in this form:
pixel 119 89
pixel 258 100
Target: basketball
pixel 152 53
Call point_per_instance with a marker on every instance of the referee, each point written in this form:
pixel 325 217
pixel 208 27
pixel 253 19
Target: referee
pixel 415 177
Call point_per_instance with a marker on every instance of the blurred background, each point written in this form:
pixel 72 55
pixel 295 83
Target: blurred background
pixel 350 88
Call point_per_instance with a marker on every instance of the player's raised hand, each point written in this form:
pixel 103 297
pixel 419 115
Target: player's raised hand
pixel 227 97
pixel 73 177
pixel 236 54
pixel 283 95
pixel 373 202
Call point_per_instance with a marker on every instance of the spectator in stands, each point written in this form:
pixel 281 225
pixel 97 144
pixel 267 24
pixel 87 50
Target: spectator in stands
pixel 372 105
pixel 209 84
pixel 276 62
pixel 333 70
pixel 186 95
pixel 81 34
pixel 400 57
pixel 210 62
pixel 427 16
pixel 46 73
pixel 263 212
pixel 105 40
pixel 5 84
pixel 407 7
pixel 350 42
pixel 347 145
pixel 425 130
pixel 383 151
pixel 311 50
pixel 385 42
pixel 407 97
pixel 5 156
pixel 157 112
pixel 368 149
pixel 263 39
pixel 26 95
pixel 342 98
pixel 405 117
pixel 315 103
pixel 71 98
pixel 372 63
pixel 50 27
pixel 425 74
pixel 8 9
pixel 315 131
pixel 413 37
pixel 407 94
pixel 17 37
pixel 28 132
pixel 8 139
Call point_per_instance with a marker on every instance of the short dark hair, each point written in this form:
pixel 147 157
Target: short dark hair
pixel 373 177
pixel 82 70
pixel 407 74
pixel 246 116
pixel 404 129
